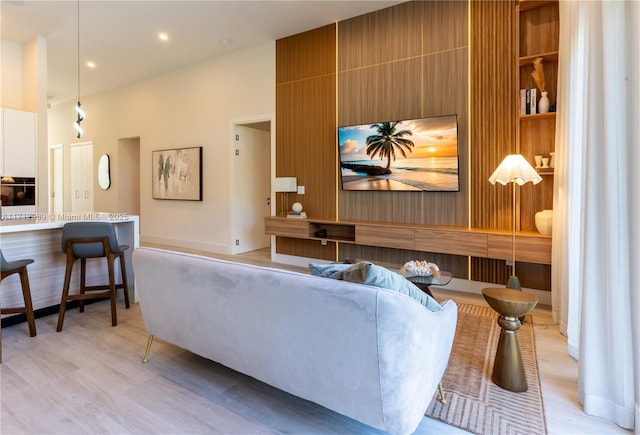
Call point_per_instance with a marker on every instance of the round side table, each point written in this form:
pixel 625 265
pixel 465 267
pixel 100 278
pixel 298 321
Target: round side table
pixel 508 369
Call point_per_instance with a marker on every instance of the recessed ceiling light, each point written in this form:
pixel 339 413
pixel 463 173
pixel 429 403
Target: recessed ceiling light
pixel 163 36
pixel 91 64
pixel 225 42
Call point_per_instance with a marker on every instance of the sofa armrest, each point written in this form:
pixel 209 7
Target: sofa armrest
pixel 412 359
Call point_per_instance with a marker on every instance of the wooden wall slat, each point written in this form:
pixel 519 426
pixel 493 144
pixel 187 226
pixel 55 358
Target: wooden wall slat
pixel 493 110
pixel 307 151
pixel 378 93
pixel 306 128
pixel 380 37
pixel 493 121
pixel 306 55
pixel 393 81
pixel 446 25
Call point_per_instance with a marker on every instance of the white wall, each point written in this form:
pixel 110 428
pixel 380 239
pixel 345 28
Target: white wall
pixel 11 75
pixel 189 107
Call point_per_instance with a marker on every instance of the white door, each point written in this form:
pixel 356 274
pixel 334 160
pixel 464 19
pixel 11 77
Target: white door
pixel 81 158
pixel 56 203
pixel 253 177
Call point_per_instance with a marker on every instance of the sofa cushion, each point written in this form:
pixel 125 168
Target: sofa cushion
pixel 368 273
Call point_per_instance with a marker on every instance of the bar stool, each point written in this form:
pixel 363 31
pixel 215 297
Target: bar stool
pixel 82 240
pixel 19 266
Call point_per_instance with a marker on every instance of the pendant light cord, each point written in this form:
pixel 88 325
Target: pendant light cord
pixel 78 51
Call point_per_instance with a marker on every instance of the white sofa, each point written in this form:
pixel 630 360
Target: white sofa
pixel 372 354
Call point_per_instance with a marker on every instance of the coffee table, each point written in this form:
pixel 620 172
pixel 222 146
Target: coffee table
pixel 423 282
pixel 508 369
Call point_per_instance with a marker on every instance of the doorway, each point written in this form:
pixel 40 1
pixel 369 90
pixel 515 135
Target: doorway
pixel 251 201
pixel 128 173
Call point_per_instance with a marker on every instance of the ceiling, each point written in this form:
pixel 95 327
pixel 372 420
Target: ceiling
pixel 121 37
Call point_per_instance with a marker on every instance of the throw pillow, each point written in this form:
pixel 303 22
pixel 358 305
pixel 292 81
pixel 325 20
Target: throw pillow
pixel 332 270
pixel 370 274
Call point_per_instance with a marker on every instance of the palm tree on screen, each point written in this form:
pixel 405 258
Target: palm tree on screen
pixel 387 142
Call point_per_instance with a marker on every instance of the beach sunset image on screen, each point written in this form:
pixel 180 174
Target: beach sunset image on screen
pixel 407 155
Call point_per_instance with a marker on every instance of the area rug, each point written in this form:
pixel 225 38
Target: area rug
pixel 474 402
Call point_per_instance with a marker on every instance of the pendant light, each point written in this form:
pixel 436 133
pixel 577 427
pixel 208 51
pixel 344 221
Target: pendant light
pixel 79 112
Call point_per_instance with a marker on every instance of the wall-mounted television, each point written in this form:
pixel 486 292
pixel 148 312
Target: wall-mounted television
pixel 407 155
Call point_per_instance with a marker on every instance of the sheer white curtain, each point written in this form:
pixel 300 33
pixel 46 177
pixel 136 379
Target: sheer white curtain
pixel 596 267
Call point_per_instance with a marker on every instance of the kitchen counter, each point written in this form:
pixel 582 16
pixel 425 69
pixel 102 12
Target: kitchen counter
pixel 39 238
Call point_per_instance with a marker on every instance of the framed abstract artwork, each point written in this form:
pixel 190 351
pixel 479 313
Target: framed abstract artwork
pixel 177 174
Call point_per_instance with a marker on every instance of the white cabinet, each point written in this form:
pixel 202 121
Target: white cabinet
pixel 18 143
pixel 81 158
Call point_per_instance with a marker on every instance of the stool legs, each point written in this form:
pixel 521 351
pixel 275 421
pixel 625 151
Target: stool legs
pixel 26 295
pixel 28 305
pixel 125 285
pixel 110 288
pixel 65 292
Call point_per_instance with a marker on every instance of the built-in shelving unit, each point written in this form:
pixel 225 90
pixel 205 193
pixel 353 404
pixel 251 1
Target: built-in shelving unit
pixel 538 31
pixel 531 247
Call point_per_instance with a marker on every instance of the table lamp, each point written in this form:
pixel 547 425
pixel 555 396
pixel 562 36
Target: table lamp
pixel 514 169
pixel 284 185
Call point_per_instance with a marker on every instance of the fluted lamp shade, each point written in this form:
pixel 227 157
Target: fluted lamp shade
pixel 517 170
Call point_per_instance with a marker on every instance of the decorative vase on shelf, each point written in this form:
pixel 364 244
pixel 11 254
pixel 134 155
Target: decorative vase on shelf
pixel 552 161
pixel 543 104
pixel 543 221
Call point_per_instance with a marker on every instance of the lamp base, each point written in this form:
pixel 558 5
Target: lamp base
pixel 514 283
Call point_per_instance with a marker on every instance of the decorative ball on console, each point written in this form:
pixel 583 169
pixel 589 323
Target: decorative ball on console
pixel 297 207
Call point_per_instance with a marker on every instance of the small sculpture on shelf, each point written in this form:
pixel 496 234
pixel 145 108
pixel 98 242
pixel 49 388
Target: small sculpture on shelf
pixel 296 211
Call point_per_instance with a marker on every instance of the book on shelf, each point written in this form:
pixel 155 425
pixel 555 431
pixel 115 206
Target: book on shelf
pixel 523 101
pixel 533 101
pixel 298 215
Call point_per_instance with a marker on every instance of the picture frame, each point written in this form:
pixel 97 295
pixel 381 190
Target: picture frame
pixel 177 174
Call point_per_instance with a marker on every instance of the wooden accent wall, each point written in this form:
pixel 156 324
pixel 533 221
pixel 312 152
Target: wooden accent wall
pixel 404 62
pixel 493 108
pixel 306 128
pixel 416 59
pixel 494 133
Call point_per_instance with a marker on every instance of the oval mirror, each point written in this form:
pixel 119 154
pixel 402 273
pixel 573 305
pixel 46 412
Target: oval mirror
pixel 104 179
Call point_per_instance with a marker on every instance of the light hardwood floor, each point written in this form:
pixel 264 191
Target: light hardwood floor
pixel 89 379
